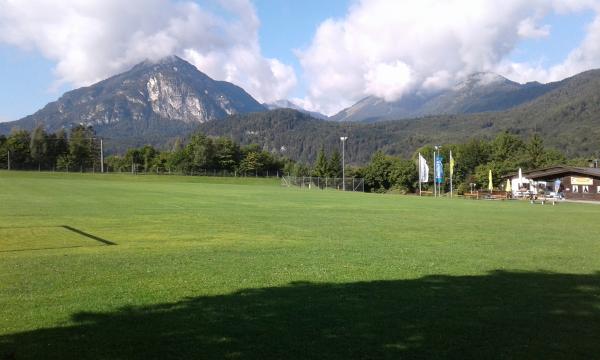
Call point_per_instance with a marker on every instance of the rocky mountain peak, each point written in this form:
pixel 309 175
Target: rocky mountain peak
pixel 153 92
pixel 482 79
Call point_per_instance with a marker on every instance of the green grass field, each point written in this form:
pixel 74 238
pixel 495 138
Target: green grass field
pixel 147 267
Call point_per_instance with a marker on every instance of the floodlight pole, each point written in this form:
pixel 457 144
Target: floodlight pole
pixel 434 172
pixel 343 139
pixel 101 157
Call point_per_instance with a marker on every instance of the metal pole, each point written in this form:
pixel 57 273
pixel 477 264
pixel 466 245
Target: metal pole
pixel 434 175
pixel 344 138
pixel 451 173
pixel 344 165
pixel 101 157
pixel 420 165
pixel 8 159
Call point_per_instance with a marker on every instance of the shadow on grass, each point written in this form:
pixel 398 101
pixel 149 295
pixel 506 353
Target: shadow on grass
pixel 87 235
pixel 502 315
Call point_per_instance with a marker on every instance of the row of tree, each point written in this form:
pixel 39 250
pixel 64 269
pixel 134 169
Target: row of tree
pixel 76 151
pixel 79 150
pixel 505 154
pixel 200 154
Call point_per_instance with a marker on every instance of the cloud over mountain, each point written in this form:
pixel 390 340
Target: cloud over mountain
pixel 388 48
pixel 93 39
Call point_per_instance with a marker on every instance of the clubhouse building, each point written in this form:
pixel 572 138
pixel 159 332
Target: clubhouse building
pixel 568 182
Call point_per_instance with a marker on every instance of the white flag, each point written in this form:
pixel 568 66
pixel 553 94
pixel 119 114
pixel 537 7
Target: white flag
pixel 423 169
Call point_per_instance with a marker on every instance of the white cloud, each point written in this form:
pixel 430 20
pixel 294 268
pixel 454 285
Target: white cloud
pixel 387 48
pixel 584 57
pixel 93 39
pixel 529 29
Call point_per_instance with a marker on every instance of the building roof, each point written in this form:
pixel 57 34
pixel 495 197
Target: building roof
pixel 555 171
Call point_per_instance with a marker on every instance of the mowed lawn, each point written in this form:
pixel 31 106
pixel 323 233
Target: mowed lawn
pixel 151 267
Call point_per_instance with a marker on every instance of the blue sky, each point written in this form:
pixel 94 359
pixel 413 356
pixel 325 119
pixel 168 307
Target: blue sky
pixel 32 75
pixel 567 31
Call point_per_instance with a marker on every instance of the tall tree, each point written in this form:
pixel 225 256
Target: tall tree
pixel 80 146
pixel 251 163
pixel 377 172
pixel 227 153
pixel 335 164
pixel 201 152
pixel 3 152
pixel 506 147
pixel 321 168
pixel 38 147
pixel 18 145
pixel 536 152
pixel 147 155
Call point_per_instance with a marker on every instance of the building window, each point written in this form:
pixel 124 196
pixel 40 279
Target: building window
pixel 586 189
pixel 598 189
pixel 575 188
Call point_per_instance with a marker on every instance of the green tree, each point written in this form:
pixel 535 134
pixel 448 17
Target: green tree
pixel 403 175
pixel 507 147
pixel 335 164
pixel 321 168
pixel 147 154
pixel 535 151
pixel 116 163
pixel 58 145
pixel 227 154
pixel 377 173
pixel 17 144
pixel 133 159
pixel 251 163
pixel 80 146
pixel 201 152
pixel 3 152
pixel 38 147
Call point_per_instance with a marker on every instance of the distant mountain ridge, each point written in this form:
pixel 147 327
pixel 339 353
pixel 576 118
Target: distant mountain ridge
pixel 287 104
pixel 567 118
pixel 157 102
pixel 153 100
pixel 480 92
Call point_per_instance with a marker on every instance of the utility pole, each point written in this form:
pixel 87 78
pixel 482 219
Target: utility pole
pixel 101 157
pixel 434 173
pixel 437 186
pixel 344 138
pixel 8 152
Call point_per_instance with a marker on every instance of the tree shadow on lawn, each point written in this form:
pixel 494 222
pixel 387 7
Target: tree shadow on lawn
pixel 502 315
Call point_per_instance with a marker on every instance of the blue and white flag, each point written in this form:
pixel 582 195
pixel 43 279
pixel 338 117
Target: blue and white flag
pixel 439 170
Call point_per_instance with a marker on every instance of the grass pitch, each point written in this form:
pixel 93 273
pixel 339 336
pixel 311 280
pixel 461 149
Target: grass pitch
pixel 146 267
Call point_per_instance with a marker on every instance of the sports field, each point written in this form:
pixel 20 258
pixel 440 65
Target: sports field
pixel 147 267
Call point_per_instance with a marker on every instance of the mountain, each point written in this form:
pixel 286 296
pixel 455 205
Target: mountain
pixel 287 104
pixel 567 118
pixel 480 92
pixel 154 101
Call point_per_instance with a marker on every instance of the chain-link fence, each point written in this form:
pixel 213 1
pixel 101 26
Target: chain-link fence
pixel 312 182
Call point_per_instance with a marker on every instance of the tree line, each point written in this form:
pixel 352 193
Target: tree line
pixel 77 150
pixel 200 154
pixel 504 154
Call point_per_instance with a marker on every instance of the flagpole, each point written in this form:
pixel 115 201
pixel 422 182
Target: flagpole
pixel 451 174
pixel 434 175
pixel 420 176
